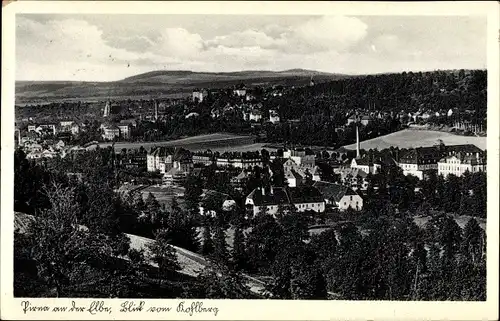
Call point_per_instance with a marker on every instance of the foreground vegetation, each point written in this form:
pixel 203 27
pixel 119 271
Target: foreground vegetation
pixel 380 254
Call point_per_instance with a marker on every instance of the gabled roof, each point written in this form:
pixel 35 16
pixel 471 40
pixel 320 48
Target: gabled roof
pixel 293 174
pixel 290 195
pixel 333 191
pixel 278 196
pixel 242 175
pixel 344 172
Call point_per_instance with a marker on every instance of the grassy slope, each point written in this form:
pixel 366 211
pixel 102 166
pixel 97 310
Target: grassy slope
pixel 408 138
pixel 162 83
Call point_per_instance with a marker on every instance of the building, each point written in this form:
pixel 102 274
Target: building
pixel 181 167
pixel 158 156
pixel 365 164
pixel 66 125
pixel 304 198
pixel 351 119
pixel 75 129
pixel 354 178
pixel 274 116
pixel 365 120
pixel 301 159
pixel 316 174
pixel 253 115
pixel 225 202
pixel 460 163
pixel 240 91
pixel 339 196
pixel 204 158
pixel 417 161
pixel 46 128
pixel 293 178
pixel 199 95
pixel 125 130
pixel 240 160
pixel 240 180
pixel 165 158
pixel 110 132
pixel 107 109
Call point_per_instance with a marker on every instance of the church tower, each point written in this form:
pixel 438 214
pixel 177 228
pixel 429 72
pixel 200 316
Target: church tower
pixel 107 109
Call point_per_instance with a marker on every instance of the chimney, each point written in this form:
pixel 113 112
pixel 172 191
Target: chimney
pixel 156 110
pixel 357 142
pixel 263 191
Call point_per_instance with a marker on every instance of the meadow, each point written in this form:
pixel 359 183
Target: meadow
pixel 411 138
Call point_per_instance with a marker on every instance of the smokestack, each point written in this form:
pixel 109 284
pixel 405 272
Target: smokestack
pixel 357 142
pixel 156 110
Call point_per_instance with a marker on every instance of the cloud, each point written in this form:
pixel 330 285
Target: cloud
pixel 328 33
pixel 318 34
pixel 178 42
pixel 75 49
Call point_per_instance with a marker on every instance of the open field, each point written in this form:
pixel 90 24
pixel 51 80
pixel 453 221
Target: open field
pixel 218 141
pixel 162 83
pixel 409 138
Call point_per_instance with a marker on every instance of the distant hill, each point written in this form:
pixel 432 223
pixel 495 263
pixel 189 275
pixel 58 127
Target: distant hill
pixel 163 83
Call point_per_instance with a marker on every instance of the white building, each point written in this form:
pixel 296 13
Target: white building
pixel 125 130
pixel 293 178
pixel 299 158
pixel 268 201
pixel 199 95
pixel 366 165
pixel 274 116
pixel 339 196
pixel 461 163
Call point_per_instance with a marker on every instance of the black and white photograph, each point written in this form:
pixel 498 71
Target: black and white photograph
pixel 326 156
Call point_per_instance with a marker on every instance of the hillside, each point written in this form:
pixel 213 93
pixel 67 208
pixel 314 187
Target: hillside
pixel 163 83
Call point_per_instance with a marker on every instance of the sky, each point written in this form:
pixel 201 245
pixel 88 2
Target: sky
pixel 112 47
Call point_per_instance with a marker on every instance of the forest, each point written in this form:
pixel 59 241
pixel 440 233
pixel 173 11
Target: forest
pixel 77 247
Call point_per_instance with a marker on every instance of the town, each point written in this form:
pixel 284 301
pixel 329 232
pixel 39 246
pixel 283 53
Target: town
pixel 220 180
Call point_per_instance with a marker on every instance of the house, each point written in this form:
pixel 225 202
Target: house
pixel 351 119
pixel 204 158
pixel 110 132
pixel 293 178
pixel 46 128
pixel 158 156
pixel 304 198
pixel 65 125
pixel 301 158
pixel 199 95
pixel 365 164
pixel 239 160
pixel 253 115
pixel 417 161
pixel 274 116
pixel 460 163
pixel 354 178
pixel 316 174
pixel 240 91
pixel 365 120
pixel 75 129
pixel 125 130
pixel 240 180
pixel 339 196
pixel 182 165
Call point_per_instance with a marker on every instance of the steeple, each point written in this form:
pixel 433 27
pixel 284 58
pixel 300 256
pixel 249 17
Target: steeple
pixel 107 109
